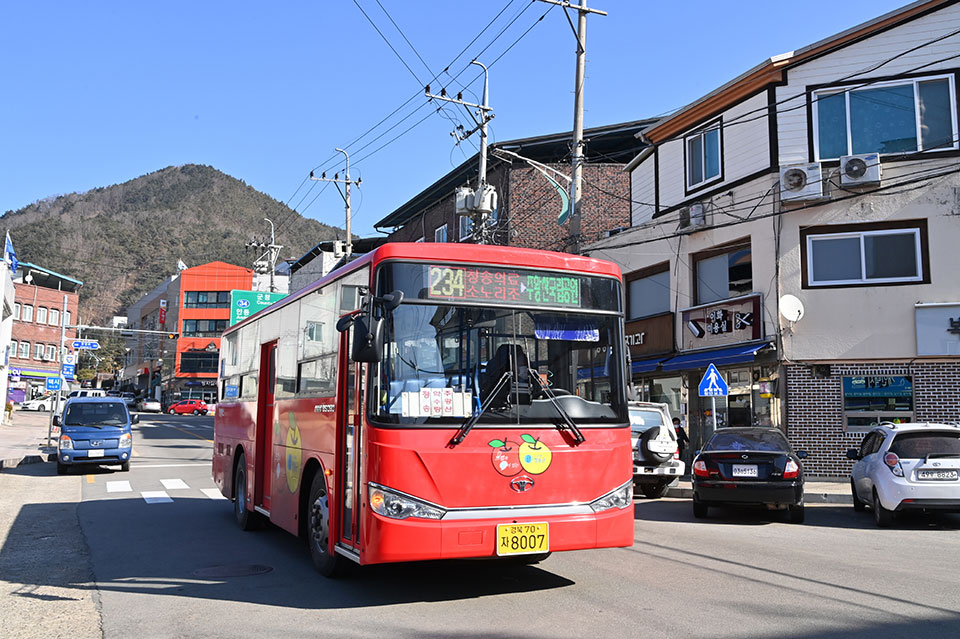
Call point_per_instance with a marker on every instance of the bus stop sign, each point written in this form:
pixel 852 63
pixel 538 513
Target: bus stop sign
pixel 713 384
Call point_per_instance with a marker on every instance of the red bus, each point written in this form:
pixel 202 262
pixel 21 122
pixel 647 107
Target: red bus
pixel 433 401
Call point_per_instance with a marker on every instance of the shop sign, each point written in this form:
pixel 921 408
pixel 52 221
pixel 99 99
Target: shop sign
pixel 243 304
pixel 722 323
pixel 938 328
pixel 650 335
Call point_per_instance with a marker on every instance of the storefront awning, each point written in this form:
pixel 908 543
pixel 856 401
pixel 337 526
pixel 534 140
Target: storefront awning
pixel 738 354
pixel 645 365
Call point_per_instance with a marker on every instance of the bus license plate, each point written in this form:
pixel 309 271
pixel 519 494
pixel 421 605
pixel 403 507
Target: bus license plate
pixel 94 453
pixel 522 539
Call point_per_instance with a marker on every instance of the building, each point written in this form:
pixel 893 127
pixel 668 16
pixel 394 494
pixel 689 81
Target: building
pixel 529 211
pixel 44 303
pixel 8 294
pixel 797 227
pixel 187 314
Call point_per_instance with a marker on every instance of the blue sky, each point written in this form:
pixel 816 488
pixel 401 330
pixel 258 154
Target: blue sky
pixel 98 93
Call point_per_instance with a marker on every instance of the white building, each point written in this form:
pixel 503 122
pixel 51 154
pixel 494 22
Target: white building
pixel 798 228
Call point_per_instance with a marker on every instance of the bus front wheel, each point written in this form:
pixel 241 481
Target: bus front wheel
pixel 327 562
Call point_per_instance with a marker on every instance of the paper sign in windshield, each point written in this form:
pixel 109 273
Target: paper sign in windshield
pixel 436 402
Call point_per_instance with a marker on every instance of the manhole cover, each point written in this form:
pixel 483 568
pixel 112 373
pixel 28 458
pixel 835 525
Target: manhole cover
pixel 234 570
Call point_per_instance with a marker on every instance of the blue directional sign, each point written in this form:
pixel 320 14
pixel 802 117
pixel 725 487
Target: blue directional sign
pixel 88 344
pixel 713 384
pixel 68 370
pixel 53 383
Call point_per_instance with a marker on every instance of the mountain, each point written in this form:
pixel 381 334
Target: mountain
pixel 123 240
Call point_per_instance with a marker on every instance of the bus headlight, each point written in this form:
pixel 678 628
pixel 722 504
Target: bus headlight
pixel 620 498
pixel 397 505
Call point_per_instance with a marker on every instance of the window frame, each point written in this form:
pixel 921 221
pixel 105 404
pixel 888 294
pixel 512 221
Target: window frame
pixel 689 185
pixel 441 231
pixel 644 273
pixel 838 231
pixel 39 351
pixel 54 317
pixel 815 93
pixel 41 315
pixel 51 352
pixel 24 350
pixel 464 228
pixel 722 249
pixel 16 311
pixel 27 313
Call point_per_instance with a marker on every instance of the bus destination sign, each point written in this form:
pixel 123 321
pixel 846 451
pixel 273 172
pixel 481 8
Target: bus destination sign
pixel 489 284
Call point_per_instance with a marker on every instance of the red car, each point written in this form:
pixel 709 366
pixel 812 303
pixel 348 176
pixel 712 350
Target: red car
pixel 195 406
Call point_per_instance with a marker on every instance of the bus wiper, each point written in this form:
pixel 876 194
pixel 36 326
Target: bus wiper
pixel 472 420
pixel 568 422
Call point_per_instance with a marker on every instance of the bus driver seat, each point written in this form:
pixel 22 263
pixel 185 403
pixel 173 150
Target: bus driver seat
pixel 509 357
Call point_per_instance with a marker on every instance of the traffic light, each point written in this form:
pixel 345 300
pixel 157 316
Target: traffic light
pixel 173 335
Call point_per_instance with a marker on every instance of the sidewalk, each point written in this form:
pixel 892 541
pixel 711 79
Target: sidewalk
pixel 816 490
pixel 24 441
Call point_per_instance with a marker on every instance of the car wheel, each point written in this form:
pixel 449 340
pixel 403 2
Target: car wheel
pixel 41 408
pixel 196 412
pixel 881 515
pixel 171 412
pixel 655 491
pixel 62 469
pixel 796 514
pixel 700 509
pixel 858 504
pixel 125 467
pixel 327 562
pixel 246 519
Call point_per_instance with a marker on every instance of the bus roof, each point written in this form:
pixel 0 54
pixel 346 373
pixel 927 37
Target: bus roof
pixel 454 252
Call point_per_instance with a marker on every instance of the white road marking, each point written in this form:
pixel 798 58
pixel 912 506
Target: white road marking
pixel 118 487
pixel 173 484
pixel 170 465
pixel 156 497
pixel 212 493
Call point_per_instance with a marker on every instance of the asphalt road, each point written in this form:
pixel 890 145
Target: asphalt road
pixel 155 553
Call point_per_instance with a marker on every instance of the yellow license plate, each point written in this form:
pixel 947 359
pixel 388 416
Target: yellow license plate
pixel 522 539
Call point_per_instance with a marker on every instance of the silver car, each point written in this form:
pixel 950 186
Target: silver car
pixel 656 458
pixel 903 467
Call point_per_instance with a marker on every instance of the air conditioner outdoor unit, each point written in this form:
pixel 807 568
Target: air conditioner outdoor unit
pixel 860 170
pixel 801 182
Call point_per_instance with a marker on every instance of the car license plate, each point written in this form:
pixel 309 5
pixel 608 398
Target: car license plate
pixel 94 453
pixel 937 474
pixel 522 539
pixel 744 470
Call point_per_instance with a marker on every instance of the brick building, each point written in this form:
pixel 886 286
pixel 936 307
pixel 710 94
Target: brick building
pixel 38 314
pixel 529 204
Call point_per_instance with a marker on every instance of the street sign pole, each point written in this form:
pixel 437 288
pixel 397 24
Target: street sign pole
pixel 712 385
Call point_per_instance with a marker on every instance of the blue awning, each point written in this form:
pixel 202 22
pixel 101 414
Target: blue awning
pixel 739 354
pixel 645 365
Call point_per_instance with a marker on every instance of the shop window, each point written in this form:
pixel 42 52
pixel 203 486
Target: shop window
pixel 648 293
pixel 871 399
pixel 724 272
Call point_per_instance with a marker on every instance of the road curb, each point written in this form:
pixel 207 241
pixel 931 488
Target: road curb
pixel 22 461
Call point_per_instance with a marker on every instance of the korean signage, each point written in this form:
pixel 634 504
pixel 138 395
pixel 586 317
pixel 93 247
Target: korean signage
pixel 243 304
pixel 722 323
pixel 650 335
pixel 491 284
pixel 938 329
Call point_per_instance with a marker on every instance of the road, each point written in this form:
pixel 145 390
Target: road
pixel 155 553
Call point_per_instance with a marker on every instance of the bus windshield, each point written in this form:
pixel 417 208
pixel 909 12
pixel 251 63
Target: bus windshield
pixel 441 363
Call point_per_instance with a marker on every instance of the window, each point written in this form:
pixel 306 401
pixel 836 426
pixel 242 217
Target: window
pixel 466 228
pixel 206 299
pixel 703 156
pixel 54 317
pixel 27 313
pixel 868 254
pixel 16 310
pixel 41 315
pixel 902 116
pixel 871 399
pixel 66 318
pixel 648 295
pixel 38 351
pixel 203 328
pixel 440 235
pixel 51 352
pixel 199 361
pixel 724 273
pixel 24 350
pixel 317 376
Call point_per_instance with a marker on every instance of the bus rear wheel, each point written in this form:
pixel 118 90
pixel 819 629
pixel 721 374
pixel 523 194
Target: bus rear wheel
pixel 327 562
pixel 246 519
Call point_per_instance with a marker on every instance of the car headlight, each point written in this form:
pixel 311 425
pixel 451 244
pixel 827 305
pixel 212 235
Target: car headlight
pixel 620 498
pixel 65 442
pixel 397 505
pixel 126 441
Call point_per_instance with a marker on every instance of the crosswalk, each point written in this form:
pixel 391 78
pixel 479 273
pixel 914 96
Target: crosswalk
pixel 149 492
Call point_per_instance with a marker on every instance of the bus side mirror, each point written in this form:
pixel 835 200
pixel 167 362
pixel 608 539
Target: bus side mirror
pixel 367 339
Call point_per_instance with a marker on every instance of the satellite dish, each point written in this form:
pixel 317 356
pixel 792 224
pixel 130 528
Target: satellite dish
pixel 791 307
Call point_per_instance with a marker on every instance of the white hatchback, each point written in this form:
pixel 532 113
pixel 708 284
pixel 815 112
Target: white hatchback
pixel 904 467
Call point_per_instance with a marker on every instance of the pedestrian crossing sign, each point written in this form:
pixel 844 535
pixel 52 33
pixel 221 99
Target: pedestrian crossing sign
pixel 713 384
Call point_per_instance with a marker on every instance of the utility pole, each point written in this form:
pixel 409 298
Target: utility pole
pixel 269 258
pixel 482 202
pixel 576 186
pixel 63 352
pixel 348 248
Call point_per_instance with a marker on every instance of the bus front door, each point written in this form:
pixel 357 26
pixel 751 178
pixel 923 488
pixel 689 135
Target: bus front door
pixel 350 418
pixel 265 418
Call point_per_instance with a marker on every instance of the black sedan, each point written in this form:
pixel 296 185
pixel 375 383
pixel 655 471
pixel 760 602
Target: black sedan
pixel 748 466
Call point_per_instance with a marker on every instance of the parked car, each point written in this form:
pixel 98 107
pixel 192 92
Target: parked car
pixel 752 465
pixel 129 399
pixel 656 457
pixel 148 405
pixel 88 392
pixel 94 430
pixel 903 467
pixel 41 403
pixel 195 406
